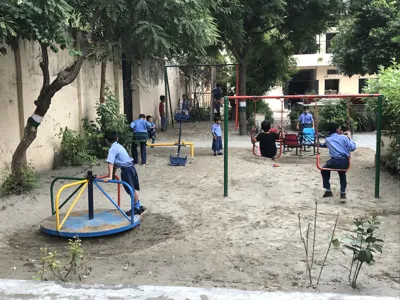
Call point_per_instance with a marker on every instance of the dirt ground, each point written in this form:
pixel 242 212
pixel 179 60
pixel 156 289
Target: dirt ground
pixel 193 236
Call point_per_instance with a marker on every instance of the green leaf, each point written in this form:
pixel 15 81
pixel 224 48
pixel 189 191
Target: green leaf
pixel 335 243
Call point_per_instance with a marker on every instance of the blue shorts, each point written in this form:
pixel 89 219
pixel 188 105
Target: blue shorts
pixel 130 176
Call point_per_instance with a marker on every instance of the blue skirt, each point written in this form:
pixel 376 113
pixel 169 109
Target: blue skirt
pixel 217 144
pixel 130 176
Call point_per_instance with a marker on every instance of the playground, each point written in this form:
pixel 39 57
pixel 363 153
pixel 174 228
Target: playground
pixel 192 236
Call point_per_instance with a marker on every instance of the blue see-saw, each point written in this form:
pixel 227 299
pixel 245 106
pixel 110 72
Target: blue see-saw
pixel 180 116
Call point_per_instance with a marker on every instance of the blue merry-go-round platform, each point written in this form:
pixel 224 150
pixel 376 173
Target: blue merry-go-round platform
pixel 91 222
pixel 106 222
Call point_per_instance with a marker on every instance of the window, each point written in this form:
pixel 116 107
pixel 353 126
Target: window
pixel 332 72
pixel 331 86
pixel 362 83
pixel 329 37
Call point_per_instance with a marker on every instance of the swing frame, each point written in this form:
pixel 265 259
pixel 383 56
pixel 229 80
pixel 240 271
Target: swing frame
pixel 378 128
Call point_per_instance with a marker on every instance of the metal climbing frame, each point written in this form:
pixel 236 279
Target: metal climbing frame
pixel 168 106
pixel 378 128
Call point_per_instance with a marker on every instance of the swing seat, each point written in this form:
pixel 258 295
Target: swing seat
pixel 292 141
pixel 319 167
pixel 178 161
pixel 181 117
pixel 256 149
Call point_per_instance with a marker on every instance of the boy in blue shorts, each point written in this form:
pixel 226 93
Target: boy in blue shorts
pixel 118 157
pixel 140 126
pixel 339 147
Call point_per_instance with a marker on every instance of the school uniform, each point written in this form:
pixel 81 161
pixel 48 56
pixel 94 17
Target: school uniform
pixel 119 157
pixel 306 120
pixel 151 132
pixel 140 126
pixel 217 132
pixel 339 147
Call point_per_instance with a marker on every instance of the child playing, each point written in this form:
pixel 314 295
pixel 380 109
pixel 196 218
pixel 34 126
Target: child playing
pixel 217 138
pixel 118 157
pixel 339 147
pixel 152 130
pixel 267 139
pixel 140 126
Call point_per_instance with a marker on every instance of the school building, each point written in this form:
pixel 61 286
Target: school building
pixel 317 75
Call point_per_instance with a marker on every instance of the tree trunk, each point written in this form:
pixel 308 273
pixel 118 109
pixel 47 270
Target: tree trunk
pixel 64 77
pixel 103 81
pixel 242 92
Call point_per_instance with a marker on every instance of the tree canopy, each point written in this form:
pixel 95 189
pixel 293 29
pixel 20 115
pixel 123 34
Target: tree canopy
pixel 99 29
pixel 368 37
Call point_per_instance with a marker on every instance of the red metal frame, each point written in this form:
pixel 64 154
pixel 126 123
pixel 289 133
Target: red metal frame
pixel 118 188
pixel 315 99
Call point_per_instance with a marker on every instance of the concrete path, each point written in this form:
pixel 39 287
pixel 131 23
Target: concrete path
pixel 33 290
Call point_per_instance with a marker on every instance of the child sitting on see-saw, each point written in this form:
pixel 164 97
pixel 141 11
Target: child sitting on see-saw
pixel 152 130
pixel 339 147
pixel 217 136
pixel 267 139
pixel 118 157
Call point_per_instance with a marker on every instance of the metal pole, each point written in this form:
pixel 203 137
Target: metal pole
pixel 378 146
pixel 170 103
pixel 90 178
pixel 166 95
pixel 237 102
pixel 226 129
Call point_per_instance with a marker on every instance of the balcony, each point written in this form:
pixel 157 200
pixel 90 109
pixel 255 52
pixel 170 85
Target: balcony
pixel 312 60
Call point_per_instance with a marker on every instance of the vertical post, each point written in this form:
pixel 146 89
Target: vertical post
pixel 226 130
pixel 170 102
pixel 90 178
pixel 213 83
pixel 237 101
pixel 166 95
pixel 378 146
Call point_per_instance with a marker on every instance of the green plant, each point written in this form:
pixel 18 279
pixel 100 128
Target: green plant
pixel 294 115
pixel 74 265
pixel 27 180
pixel 388 84
pixel 363 243
pixel 74 149
pixel 200 114
pixel 335 112
pixel 262 107
pixel 109 118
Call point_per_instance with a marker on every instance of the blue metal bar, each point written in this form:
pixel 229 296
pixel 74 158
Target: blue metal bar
pixel 131 192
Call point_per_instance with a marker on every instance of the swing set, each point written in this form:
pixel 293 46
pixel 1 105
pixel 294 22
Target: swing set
pixel 314 98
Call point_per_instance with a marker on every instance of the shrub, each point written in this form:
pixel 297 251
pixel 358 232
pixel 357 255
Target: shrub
pixel 19 184
pixel 200 114
pixel 109 118
pixel 74 149
pixel 294 115
pixel 262 107
pixel 388 84
pixel 335 112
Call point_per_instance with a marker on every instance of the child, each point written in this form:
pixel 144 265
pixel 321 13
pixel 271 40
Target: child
pixel 217 138
pixel 339 147
pixel 306 120
pixel 152 130
pixel 140 126
pixel 267 139
pixel 163 115
pixel 119 158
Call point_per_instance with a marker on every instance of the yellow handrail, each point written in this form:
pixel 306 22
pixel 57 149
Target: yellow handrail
pixel 73 204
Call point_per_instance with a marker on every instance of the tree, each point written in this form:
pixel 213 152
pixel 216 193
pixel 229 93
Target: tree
pixel 247 26
pixel 368 37
pixel 139 29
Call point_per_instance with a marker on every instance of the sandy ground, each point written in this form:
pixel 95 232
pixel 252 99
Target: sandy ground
pixel 192 236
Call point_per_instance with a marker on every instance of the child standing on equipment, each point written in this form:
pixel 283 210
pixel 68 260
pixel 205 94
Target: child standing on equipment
pixel 217 136
pixel 267 139
pixel 339 147
pixel 118 157
pixel 152 130
pixel 140 126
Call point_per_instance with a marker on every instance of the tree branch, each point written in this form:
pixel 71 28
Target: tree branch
pixel 44 65
pixel 235 53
